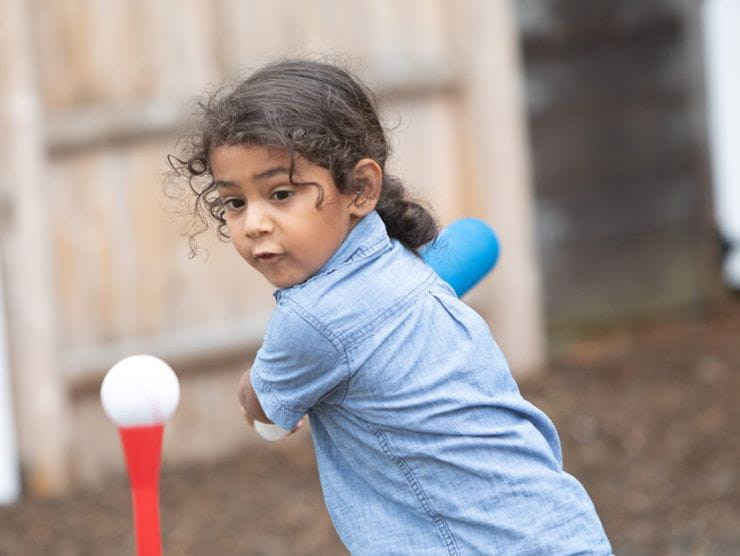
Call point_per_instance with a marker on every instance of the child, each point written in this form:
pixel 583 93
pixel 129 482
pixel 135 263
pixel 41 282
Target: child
pixel 424 444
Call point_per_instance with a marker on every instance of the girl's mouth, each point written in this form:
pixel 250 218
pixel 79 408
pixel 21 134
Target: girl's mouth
pixel 267 257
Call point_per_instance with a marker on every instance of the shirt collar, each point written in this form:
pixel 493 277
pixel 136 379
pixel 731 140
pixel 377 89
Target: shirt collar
pixel 368 236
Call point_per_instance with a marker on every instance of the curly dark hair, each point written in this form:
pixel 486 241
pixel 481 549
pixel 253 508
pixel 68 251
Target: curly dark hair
pixel 310 109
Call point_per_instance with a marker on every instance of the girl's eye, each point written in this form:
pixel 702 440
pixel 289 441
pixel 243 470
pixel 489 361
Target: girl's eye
pixel 282 195
pixel 232 204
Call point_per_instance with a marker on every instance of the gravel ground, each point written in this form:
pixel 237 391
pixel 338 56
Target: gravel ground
pixel 648 418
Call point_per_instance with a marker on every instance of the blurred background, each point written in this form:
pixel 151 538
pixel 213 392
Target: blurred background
pixel 597 138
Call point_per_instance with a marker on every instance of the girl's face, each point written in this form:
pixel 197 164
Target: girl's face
pixel 274 225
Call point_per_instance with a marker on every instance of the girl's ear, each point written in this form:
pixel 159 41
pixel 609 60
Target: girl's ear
pixel 367 175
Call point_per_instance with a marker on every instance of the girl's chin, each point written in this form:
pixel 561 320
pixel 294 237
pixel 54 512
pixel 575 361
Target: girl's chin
pixel 280 276
pixel 283 282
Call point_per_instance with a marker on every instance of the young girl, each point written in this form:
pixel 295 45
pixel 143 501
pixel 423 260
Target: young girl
pixel 424 444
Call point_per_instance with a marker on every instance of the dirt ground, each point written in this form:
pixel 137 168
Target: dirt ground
pixel 648 417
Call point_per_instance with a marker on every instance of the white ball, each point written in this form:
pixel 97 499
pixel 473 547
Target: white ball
pixel 140 390
pixel 270 431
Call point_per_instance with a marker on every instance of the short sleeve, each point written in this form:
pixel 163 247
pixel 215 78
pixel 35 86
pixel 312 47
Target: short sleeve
pixel 297 367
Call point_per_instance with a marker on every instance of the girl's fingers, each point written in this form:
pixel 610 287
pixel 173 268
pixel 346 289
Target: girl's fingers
pixel 247 418
pixel 301 423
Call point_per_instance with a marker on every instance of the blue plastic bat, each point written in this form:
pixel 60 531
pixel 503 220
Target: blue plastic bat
pixel 463 253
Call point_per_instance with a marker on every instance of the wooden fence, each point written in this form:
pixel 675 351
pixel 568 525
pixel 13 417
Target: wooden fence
pixel 94 95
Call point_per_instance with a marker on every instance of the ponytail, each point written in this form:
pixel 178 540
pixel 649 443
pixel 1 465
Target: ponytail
pixel 405 219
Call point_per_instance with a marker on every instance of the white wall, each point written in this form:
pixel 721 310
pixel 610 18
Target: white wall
pixel 9 469
pixel 721 20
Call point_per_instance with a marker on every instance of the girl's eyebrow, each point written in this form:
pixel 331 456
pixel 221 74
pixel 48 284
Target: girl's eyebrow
pixel 269 173
pixel 277 170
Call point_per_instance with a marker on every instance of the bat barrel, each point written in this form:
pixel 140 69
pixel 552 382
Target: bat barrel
pixel 463 253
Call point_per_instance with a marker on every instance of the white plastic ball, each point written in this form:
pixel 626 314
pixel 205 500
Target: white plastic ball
pixel 140 390
pixel 270 431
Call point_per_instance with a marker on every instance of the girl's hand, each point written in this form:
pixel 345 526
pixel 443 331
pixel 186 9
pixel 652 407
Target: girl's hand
pixel 250 404
pixel 255 415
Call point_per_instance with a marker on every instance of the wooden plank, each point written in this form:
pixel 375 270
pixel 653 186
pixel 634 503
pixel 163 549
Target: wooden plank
pixel 496 140
pixel 118 52
pixel 83 368
pixel 123 270
pixel 96 126
pixel 84 128
pixel 41 397
pixel 424 152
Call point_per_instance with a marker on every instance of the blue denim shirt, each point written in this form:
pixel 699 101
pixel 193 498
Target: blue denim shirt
pixel 423 442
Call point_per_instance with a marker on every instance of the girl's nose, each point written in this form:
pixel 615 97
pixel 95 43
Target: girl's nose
pixel 257 222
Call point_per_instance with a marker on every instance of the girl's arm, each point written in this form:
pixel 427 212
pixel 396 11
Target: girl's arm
pixel 290 376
